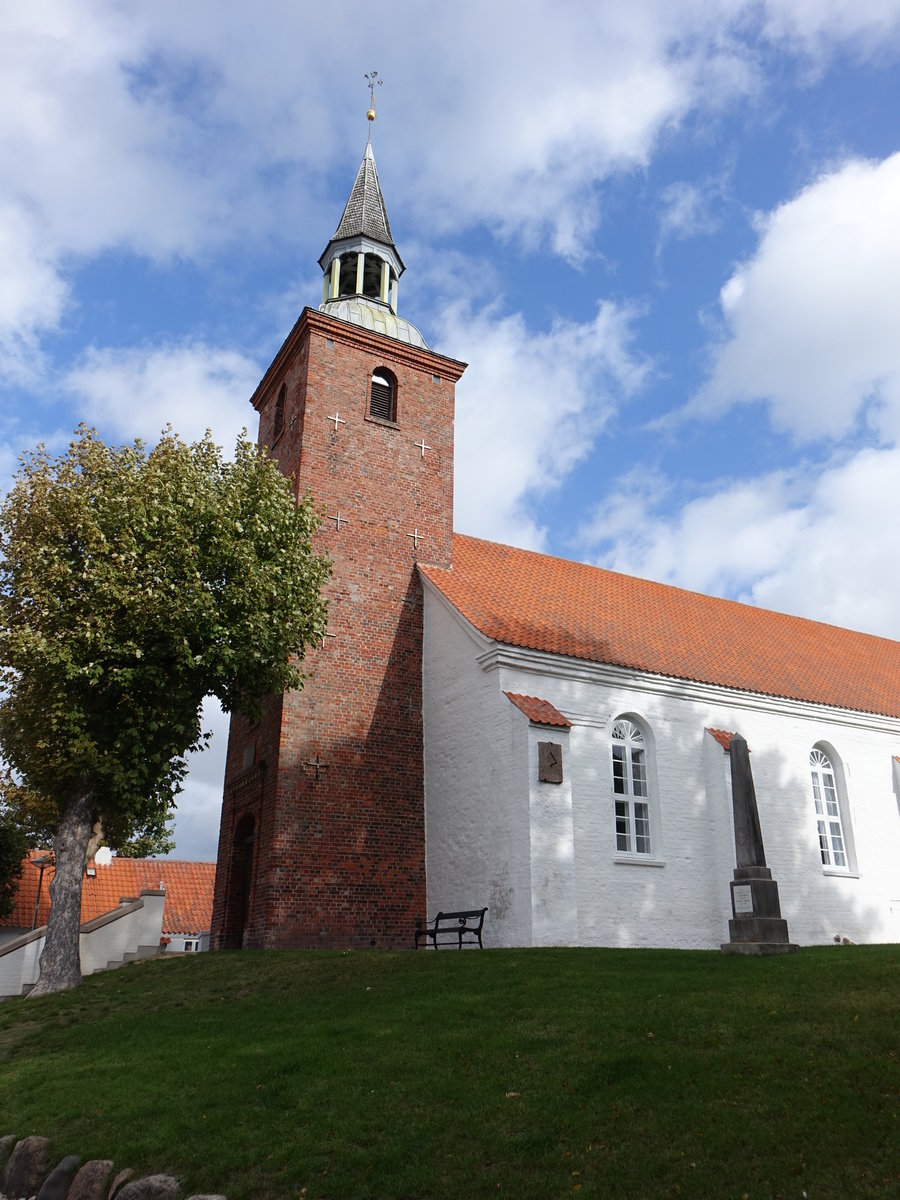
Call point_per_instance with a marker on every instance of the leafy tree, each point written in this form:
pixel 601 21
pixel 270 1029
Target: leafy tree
pixel 13 848
pixel 132 584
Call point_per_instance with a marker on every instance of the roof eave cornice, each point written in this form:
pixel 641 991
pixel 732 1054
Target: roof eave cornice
pixel 500 656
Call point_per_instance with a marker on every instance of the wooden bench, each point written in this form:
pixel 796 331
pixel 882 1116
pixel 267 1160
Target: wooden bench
pixel 452 929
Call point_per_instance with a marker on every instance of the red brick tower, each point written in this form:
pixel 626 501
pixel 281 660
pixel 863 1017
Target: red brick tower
pixel 322 840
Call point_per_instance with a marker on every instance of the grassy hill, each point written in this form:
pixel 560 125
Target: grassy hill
pixel 532 1073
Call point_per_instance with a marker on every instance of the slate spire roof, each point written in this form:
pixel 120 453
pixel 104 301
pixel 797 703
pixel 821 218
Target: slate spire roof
pixel 536 602
pixel 365 214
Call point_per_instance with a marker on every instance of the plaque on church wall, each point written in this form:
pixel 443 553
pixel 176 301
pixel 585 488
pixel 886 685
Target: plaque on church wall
pixel 550 769
pixel 743 900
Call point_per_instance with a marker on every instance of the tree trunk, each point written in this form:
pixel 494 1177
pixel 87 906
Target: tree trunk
pixel 61 959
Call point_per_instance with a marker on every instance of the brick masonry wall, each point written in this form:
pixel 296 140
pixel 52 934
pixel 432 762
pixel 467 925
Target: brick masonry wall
pixel 336 788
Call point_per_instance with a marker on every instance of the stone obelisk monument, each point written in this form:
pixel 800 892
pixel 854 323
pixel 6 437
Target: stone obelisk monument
pixel 757 926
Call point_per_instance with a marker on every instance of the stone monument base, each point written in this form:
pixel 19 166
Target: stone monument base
pixel 757 926
pixel 759 947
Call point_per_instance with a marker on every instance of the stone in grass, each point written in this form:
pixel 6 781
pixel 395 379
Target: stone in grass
pixel 151 1187
pixel 6 1148
pixel 27 1168
pixel 91 1181
pixel 119 1182
pixel 56 1185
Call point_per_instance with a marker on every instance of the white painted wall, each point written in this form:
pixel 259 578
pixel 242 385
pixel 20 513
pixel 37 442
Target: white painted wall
pixel 476 784
pixel 176 944
pixel 554 902
pixel 496 836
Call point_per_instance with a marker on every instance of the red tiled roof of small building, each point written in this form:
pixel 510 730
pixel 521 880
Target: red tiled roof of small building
pixel 188 887
pixel 722 736
pixel 537 602
pixel 541 712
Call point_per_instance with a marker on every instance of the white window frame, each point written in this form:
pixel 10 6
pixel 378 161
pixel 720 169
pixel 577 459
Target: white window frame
pixel 831 811
pixel 635 825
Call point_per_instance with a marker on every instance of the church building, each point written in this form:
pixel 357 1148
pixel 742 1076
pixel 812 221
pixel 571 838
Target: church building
pixel 488 726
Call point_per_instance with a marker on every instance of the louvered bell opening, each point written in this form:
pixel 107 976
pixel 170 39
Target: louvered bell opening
pixel 347 283
pixel 372 277
pixel 382 403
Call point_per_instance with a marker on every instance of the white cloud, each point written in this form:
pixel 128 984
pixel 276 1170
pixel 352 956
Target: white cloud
pixel 529 408
pixel 96 162
pixel 136 392
pixel 819 540
pixel 32 297
pixel 200 804
pixel 815 26
pixel 687 209
pixel 812 317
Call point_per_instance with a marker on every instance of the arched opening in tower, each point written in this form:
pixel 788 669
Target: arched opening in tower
pixel 240 882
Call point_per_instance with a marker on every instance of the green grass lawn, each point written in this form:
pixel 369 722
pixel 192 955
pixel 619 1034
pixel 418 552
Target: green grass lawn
pixel 511 1073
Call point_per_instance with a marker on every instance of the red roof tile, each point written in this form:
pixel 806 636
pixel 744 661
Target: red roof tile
pixel 541 712
pixel 188 887
pixel 722 736
pixel 541 603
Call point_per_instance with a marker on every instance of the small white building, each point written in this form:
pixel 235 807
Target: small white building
pixel 576 725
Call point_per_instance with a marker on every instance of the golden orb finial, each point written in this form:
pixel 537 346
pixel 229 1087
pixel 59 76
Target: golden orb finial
pixel 371 78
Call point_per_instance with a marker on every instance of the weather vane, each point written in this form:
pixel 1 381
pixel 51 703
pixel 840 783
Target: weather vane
pixel 371 78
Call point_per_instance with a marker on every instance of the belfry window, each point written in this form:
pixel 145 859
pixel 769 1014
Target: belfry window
pixel 383 395
pixel 631 792
pixel 278 415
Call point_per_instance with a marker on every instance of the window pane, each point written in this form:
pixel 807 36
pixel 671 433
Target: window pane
pixel 623 833
pixel 639 772
pixel 837 844
pixel 619 787
pixel 642 828
pixel 830 796
pixel 823 844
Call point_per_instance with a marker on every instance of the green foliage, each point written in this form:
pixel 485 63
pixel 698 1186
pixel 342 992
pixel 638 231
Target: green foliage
pixel 132 584
pixel 528 1074
pixel 13 848
pixel 150 842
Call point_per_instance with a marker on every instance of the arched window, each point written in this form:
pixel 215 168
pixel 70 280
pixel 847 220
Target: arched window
pixel 278 415
pixel 383 396
pixel 631 791
pixel 834 843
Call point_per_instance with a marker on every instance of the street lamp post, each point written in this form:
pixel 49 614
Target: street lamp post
pixel 40 863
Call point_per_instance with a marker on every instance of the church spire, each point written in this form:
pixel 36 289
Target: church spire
pixel 360 264
pixel 365 214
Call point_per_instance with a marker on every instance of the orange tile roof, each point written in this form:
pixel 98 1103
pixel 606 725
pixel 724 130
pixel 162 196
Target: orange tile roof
pixel 541 603
pixel 722 736
pixel 541 712
pixel 188 887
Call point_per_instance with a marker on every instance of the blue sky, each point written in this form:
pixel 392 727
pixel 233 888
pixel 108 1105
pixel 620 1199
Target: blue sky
pixel 665 237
